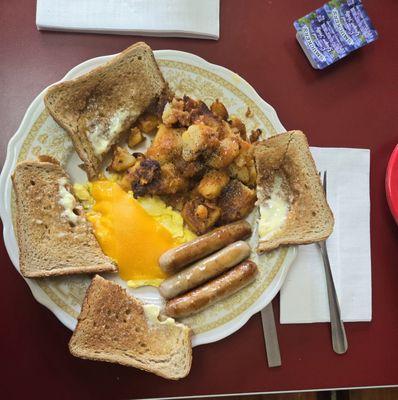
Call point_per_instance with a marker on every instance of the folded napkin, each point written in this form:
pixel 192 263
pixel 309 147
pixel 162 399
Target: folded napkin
pixel 303 296
pixel 180 18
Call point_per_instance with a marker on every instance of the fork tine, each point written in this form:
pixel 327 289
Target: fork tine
pixel 325 182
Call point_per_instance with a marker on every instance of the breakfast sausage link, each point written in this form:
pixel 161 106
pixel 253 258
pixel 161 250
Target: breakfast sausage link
pixel 204 270
pixel 208 294
pixel 175 259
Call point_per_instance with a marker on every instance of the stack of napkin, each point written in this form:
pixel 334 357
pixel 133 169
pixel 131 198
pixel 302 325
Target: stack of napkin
pixel 179 18
pixel 303 296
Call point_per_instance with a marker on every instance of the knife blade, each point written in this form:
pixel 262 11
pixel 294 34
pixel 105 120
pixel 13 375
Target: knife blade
pixel 270 337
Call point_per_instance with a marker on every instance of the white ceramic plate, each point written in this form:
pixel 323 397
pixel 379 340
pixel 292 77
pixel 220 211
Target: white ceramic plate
pixel 39 134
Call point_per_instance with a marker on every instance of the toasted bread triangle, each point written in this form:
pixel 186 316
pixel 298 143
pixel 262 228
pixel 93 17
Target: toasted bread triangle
pixel 49 244
pixel 96 108
pixel 309 218
pixel 113 327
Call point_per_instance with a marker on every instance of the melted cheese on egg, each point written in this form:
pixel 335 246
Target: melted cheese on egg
pixel 273 213
pixel 128 234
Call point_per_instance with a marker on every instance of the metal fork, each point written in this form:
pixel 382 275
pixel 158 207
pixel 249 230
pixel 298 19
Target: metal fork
pixel 339 339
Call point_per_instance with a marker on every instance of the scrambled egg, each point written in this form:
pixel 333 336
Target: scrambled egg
pixel 134 233
pixel 166 216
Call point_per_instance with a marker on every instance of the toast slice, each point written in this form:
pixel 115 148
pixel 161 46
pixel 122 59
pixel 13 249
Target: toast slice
pixel 115 327
pixel 96 108
pixel 54 237
pixel 292 201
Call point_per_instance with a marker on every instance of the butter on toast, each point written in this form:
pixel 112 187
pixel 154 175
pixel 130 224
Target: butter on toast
pixel 53 235
pixel 97 107
pixel 115 327
pixel 292 201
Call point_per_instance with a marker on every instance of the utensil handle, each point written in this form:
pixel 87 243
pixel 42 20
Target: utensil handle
pixel 270 337
pixel 339 338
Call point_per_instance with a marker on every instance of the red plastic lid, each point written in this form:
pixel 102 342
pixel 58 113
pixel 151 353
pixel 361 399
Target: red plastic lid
pixel 392 183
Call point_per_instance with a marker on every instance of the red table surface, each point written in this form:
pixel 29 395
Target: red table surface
pixel 351 104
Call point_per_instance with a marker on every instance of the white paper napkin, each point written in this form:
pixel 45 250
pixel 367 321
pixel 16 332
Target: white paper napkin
pixel 179 18
pixel 303 296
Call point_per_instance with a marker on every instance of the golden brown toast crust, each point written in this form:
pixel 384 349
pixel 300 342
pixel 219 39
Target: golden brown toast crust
pixel 112 327
pixel 48 244
pixel 310 218
pixel 130 81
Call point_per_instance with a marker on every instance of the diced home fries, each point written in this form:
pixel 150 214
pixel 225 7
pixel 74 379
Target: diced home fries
pixel 200 162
